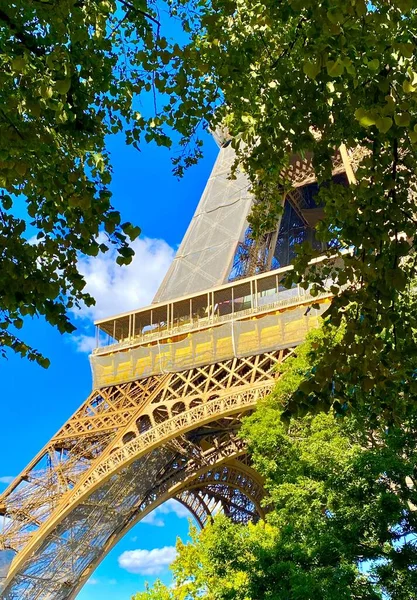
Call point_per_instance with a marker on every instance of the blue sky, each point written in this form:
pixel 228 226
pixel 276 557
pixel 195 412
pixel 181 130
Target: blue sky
pixel 36 402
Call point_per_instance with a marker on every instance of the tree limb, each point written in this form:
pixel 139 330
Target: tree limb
pixel 27 40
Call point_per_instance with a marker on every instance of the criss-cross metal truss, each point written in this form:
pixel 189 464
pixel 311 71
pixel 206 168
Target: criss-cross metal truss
pixel 172 388
pixel 129 448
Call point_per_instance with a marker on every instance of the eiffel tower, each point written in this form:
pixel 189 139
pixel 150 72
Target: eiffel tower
pixel 171 383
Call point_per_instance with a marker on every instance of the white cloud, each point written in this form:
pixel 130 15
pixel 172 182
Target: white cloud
pixel 84 343
pixel 96 581
pixel 173 506
pixel 119 289
pixel 153 519
pixel 147 562
pixel 170 506
pixel 7 479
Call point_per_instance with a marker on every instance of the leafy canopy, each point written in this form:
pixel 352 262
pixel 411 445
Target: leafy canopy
pixel 70 73
pixel 67 80
pixel 308 76
pixel 341 523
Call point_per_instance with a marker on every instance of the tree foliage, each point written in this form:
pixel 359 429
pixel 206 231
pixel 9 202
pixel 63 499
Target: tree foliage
pixel 341 523
pixel 302 77
pixel 67 80
pixel 308 76
pixel 283 78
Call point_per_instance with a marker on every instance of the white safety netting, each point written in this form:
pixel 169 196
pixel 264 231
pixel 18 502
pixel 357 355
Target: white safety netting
pixel 206 253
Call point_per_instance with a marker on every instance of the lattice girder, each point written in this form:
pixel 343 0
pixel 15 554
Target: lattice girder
pixel 63 504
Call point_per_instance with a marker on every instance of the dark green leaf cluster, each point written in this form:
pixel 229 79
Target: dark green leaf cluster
pixel 341 513
pixel 341 502
pixel 305 77
pixel 68 74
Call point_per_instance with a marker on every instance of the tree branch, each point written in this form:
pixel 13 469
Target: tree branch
pixel 133 8
pixel 27 40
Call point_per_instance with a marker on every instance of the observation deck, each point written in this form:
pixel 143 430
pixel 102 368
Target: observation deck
pixel 238 319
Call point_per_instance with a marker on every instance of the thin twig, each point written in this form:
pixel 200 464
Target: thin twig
pixel 11 123
pixel 28 41
pixel 143 13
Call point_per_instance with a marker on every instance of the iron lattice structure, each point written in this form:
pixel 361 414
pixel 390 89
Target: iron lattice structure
pixel 129 448
pixel 172 388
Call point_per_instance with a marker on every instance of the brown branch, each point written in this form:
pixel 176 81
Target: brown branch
pixel 120 22
pixel 11 123
pixel 292 44
pixel 141 12
pixel 28 41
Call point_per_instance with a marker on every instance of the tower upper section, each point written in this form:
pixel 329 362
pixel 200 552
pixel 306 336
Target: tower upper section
pixel 225 295
pixel 218 246
pixel 205 256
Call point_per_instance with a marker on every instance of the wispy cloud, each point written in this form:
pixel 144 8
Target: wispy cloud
pixel 170 506
pixel 173 506
pixel 147 562
pixel 118 289
pixel 84 343
pixel 96 581
pixel 6 479
pixel 153 519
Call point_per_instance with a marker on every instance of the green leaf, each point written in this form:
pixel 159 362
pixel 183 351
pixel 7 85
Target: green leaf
pixel 335 15
pixel 63 86
pixel 402 119
pixel 311 69
pixel 335 68
pixel 19 64
pixel 131 231
pixel 408 87
pixel 46 91
pixel 45 363
pixel 384 124
pixel 6 201
pixel 365 117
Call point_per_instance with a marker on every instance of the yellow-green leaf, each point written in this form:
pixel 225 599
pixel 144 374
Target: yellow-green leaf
pixel 408 87
pixel 18 64
pixel 62 86
pixel 402 119
pixel 365 118
pixel 335 68
pixel 311 69
pixel 384 124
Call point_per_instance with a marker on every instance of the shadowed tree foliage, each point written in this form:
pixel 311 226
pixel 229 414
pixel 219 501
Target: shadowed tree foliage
pixel 342 500
pixel 67 80
pixel 70 71
pixel 307 76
